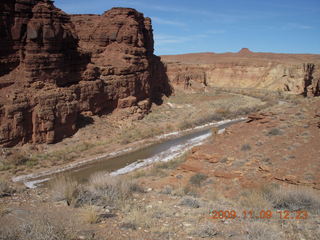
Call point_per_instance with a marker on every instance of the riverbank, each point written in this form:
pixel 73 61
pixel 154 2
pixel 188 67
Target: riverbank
pixel 117 132
pixel 176 150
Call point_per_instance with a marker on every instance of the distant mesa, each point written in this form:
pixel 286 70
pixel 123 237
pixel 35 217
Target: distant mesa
pixel 293 73
pixel 245 51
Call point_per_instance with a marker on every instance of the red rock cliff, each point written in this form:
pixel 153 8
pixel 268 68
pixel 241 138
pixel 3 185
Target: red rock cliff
pixel 53 69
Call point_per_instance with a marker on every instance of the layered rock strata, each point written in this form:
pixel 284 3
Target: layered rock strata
pixel 294 73
pixel 53 69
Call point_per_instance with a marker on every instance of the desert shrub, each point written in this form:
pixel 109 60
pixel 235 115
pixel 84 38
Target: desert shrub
pixel 245 147
pixel 254 199
pixel 189 202
pixel 3 210
pixel 64 189
pixel 4 166
pixel 8 233
pixel 262 231
pixel 5 189
pixel 274 132
pixel 198 179
pixel 106 190
pixel 139 216
pixel 135 133
pixel 187 190
pixel 18 159
pixel 223 112
pixel 139 173
pixel 167 190
pixel 31 162
pixel 43 229
pixel 285 198
pixel 296 199
pixel 206 230
pixel 297 230
pixel 190 191
pixel 167 165
pixel 35 228
pixel 128 225
pixel 185 125
pixel 134 187
pixel 155 171
pixel 84 146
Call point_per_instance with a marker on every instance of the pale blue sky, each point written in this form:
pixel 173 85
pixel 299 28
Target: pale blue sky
pixel 185 26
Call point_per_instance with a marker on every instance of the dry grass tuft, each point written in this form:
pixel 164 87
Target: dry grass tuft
pixel 64 189
pixel 301 230
pixel 3 210
pixel 285 198
pixel 138 174
pixel 254 200
pixel 34 228
pixel 206 230
pixel 147 217
pixel 190 202
pixel 89 214
pixel 106 190
pixel 8 233
pixel 295 198
pixel 185 190
pixel 262 231
pixel 138 216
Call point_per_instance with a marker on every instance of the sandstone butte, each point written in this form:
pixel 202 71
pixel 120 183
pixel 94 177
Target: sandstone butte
pixel 294 73
pixel 56 68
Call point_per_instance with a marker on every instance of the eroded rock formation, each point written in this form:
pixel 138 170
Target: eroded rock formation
pixel 294 73
pixel 54 67
pixel 121 45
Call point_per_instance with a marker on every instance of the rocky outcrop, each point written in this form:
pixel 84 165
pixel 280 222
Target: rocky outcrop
pixel 121 45
pixel 311 80
pixel 55 68
pixel 38 44
pixel 246 69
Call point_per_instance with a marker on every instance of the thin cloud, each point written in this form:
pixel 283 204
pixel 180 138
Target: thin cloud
pixel 167 22
pixel 215 16
pixel 163 39
pixel 215 31
pixel 292 26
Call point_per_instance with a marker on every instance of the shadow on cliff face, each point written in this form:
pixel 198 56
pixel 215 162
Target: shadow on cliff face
pixel 8 62
pixel 83 121
pixel 311 80
pixel 160 83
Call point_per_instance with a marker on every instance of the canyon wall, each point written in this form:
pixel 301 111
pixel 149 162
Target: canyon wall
pixel 55 68
pixel 298 74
